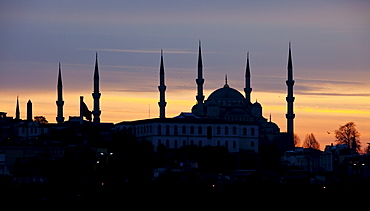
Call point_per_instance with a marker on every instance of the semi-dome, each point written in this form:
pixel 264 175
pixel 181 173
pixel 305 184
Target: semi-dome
pixel 226 93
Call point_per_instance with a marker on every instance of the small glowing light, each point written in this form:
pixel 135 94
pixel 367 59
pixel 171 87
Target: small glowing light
pixel 102 153
pixel 111 153
pixel 102 184
pixel 213 186
pixel 97 161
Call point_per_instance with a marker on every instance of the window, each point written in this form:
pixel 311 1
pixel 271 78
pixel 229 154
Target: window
pixel 175 144
pixel 252 131
pixel 183 129
pixel 191 129
pixel 244 131
pixel 159 142
pixel 234 130
pixel 226 130
pixel 200 130
pixel 159 130
pixel 218 143
pixel 252 143
pixel 218 130
pixel 184 143
pixel 175 130
pixel 200 143
pixel 167 130
pixel 192 142
pixel 234 144
pixel 226 144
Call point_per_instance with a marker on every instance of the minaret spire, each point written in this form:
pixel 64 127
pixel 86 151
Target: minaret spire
pixel 17 112
pixel 96 94
pixel 290 99
pixel 200 82
pixel 247 88
pixel 60 102
pixel 162 89
pixel 29 110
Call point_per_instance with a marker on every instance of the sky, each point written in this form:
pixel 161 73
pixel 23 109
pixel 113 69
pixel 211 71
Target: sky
pixel 330 49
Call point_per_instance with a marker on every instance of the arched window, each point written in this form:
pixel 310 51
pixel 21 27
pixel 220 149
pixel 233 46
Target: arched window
pixel 252 143
pixel 167 130
pixel 175 130
pixel 183 129
pixel 200 131
pixel 175 144
pixel 218 143
pixel 234 144
pixel 192 129
pixel 159 130
pixel 159 142
pixel 184 143
pixel 192 142
pixel 218 130
pixel 234 130
pixel 226 130
pixel 244 131
pixel 252 131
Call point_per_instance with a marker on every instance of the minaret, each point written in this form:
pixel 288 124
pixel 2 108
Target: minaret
pixel 200 82
pixel 247 89
pixel 29 110
pixel 96 94
pixel 60 102
pixel 17 112
pixel 290 99
pixel 162 89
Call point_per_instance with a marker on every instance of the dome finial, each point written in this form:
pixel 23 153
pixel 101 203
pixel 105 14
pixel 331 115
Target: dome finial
pixel 226 85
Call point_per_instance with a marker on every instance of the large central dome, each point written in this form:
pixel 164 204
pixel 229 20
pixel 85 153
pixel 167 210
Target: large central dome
pixel 226 93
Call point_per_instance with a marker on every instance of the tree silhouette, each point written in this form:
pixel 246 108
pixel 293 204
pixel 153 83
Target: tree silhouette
pixel 348 134
pixel 311 142
pixel 297 140
pixel 41 119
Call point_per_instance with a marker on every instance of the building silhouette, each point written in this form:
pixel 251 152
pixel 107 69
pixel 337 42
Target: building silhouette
pixel 226 118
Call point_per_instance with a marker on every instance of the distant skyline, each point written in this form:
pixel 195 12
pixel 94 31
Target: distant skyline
pixel 330 50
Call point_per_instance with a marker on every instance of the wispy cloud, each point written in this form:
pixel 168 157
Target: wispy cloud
pixel 335 94
pixel 324 81
pixel 169 51
pixel 173 51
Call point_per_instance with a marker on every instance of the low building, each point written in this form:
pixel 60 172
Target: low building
pixel 187 129
pixel 307 159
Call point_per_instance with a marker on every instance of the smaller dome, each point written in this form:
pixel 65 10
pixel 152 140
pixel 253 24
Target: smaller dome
pixel 257 104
